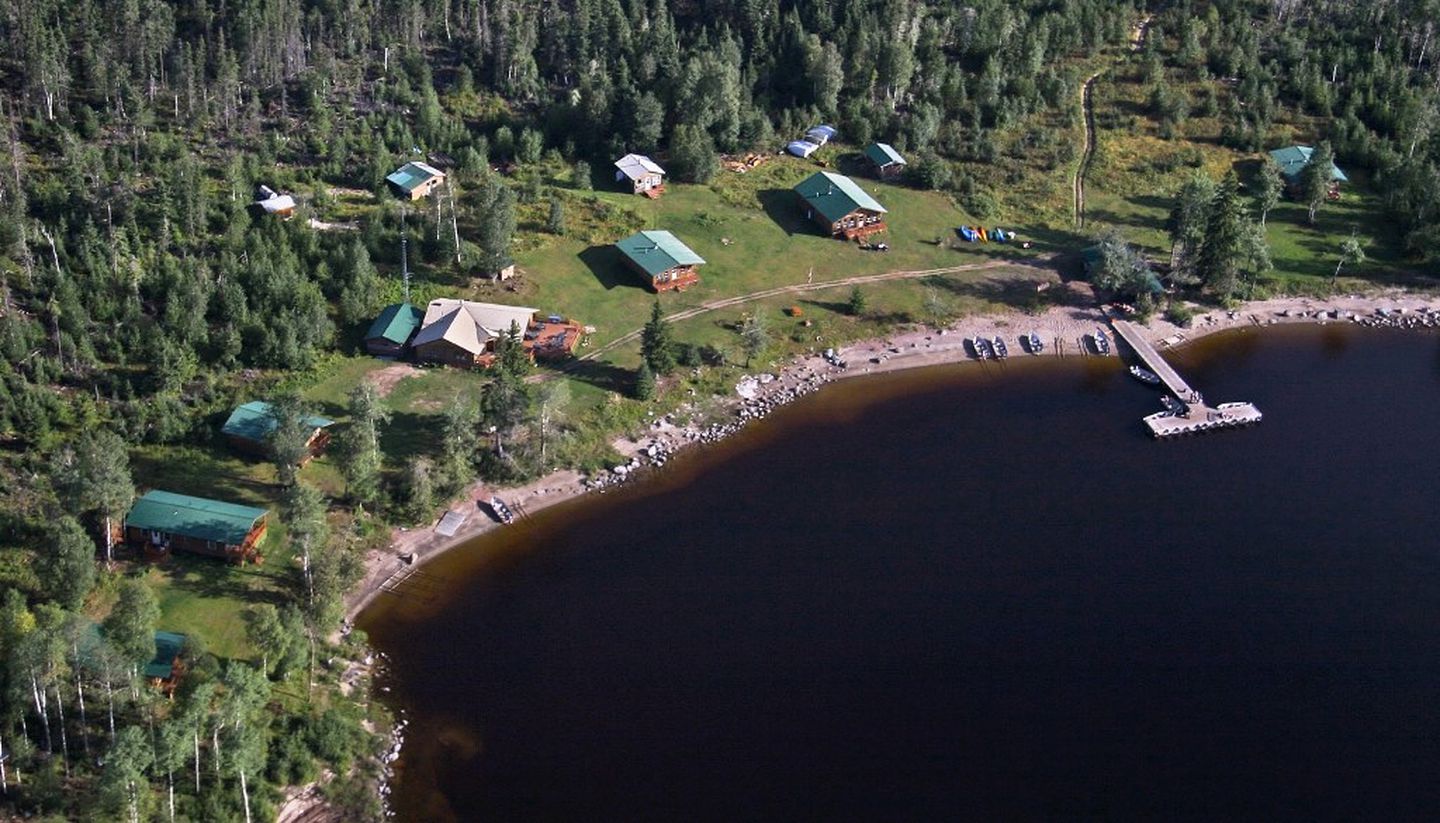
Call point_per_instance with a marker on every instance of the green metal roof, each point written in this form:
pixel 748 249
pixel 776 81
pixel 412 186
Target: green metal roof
pixel 883 154
pixel 411 175
pixel 1294 159
pixel 167 648
pixel 256 421
pixel 657 251
pixel 396 323
pixel 193 517
pixel 835 195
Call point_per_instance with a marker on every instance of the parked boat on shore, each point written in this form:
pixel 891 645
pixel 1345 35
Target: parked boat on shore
pixel 1036 346
pixel 1002 351
pixel 502 511
pixel 1102 343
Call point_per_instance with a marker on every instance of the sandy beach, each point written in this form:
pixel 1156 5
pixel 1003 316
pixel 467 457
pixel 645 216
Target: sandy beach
pixel 1062 329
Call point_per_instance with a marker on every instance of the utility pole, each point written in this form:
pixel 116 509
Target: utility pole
pixel 404 256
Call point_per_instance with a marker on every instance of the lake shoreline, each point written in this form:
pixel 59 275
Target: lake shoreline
pixel 1063 330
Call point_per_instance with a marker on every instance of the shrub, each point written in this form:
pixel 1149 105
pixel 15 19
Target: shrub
pixel 1181 314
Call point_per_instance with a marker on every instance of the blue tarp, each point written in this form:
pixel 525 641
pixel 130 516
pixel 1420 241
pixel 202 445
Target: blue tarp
pixel 801 148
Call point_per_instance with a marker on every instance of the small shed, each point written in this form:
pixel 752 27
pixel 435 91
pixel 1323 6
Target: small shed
pixel 392 330
pixel 249 426
pixel 887 163
pixel 643 174
pixel 415 180
pixel 839 206
pixel 166 668
pixel 1293 160
pixel 162 522
pixel 661 260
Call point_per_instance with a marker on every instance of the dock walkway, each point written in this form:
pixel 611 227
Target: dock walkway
pixel 1193 415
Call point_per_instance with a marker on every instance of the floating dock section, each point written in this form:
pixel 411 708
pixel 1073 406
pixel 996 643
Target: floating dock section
pixel 1193 415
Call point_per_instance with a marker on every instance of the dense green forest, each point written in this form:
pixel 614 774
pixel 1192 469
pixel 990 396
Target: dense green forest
pixel 141 296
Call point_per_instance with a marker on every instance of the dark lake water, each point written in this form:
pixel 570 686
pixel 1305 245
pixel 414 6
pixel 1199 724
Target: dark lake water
pixel 960 594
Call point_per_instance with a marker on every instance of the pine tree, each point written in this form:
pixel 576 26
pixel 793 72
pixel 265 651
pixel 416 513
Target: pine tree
pixel 556 222
pixel 656 344
pixel 644 382
pixel 855 306
pixel 1217 261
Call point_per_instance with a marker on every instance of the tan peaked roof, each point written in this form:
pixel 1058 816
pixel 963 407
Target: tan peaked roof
pixel 636 166
pixel 467 324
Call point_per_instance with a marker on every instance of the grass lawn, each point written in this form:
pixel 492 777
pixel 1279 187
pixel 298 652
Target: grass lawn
pixel 749 228
pixel 1136 174
pixel 207 596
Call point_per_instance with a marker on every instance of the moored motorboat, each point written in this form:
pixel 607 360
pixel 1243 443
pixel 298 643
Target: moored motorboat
pixel 978 344
pixel 1145 376
pixel 1036 346
pixel 1001 350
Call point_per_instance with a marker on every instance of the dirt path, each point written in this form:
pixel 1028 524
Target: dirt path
pixel 1087 105
pixel 1087 153
pixel 798 288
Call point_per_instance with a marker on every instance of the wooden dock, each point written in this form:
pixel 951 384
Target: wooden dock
pixel 1194 415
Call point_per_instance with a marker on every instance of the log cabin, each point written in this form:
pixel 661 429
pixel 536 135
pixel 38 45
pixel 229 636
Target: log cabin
pixel 661 260
pixel 163 522
pixel 1293 160
pixel 839 206
pixel 249 426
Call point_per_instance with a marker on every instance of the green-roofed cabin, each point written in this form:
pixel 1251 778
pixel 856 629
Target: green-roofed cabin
pixel 415 180
pixel 166 668
pixel 250 425
pixel 392 330
pixel 887 163
pixel 162 522
pixel 1292 161
pixel 839 206
pixel 661 260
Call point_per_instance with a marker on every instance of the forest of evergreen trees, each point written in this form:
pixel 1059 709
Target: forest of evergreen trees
pixel 134 281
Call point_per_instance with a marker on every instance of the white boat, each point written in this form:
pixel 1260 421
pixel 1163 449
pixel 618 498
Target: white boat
pixel 502 511
pixel 1102 343
pixel 1036 346
pixel 982 347
pixel 1002 351
pixel 1145 376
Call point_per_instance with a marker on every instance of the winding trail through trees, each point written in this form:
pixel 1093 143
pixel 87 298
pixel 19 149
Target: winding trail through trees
pixel 1087 107
pixel 1042 263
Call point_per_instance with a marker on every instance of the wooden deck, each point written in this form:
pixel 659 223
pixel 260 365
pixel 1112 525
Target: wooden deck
pixel 1154 362
pixel 1194 415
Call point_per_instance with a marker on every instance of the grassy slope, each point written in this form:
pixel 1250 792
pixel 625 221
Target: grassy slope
pixel 1136 174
